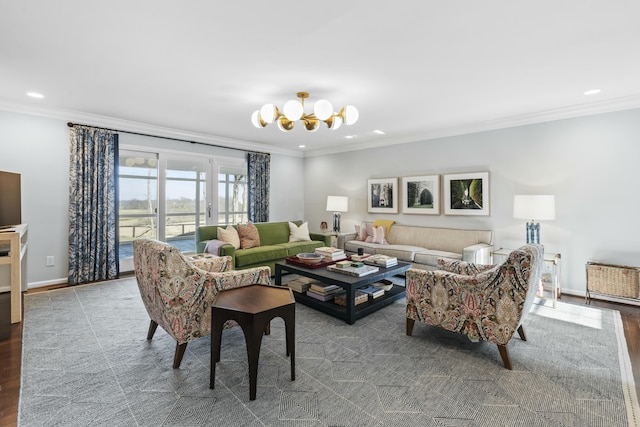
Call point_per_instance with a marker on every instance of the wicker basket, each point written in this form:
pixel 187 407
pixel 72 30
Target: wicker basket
pixel 615 280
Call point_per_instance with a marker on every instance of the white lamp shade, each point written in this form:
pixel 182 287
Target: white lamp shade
pixel 293 110
pixel 337 203
pixel 534 207
pixel 322 109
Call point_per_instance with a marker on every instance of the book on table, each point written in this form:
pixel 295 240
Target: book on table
pixel 341 298
pixel 331 254
pixel 324 289
pixel 300 286
pixel 381 260
pixel 324 296
pixel 359 257
pixel 354 271
pixel 373 291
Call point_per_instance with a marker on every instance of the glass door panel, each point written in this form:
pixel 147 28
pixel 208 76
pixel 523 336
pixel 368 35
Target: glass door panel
pixel 185 206
pixel 137 198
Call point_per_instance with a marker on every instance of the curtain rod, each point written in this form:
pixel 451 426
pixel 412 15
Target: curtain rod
pixel 70 124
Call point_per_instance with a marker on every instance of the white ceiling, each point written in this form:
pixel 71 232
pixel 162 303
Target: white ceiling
pixel 415 69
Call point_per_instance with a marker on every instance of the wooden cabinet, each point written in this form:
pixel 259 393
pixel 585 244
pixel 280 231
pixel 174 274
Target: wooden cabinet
pixel 13 251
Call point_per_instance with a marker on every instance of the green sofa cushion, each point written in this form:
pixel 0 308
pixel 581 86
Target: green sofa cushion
pixel 260 254
pixel 294 248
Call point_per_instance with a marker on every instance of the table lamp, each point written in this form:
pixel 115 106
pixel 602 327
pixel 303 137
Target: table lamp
pixel 337 204
pixel 536 207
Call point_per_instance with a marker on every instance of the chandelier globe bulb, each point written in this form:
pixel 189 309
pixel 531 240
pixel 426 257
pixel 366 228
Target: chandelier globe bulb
pixel 322 109
pixel 268 113
pixel 350 114
pixel 293 110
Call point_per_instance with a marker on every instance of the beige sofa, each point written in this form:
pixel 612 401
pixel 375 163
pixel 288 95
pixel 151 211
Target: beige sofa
pixel 422 246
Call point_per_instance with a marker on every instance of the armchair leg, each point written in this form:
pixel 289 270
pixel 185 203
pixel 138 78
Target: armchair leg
pixel 177 358
pixel 521 333
pixel 152 329
pixel 504 353
pixel 267 329
pixel 410 323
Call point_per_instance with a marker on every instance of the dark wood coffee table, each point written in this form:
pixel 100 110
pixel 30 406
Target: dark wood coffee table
pixel 351 312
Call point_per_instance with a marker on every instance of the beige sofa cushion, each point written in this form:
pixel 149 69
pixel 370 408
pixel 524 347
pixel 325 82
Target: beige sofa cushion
pixel 444 239
pixel 430 257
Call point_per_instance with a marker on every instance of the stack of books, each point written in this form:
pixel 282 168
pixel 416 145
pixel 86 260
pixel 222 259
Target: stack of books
pixel 372 291
pixel 357 257
pixel 341 298
pixel 331 254
pixel 301 284
pixel 381 260
pixel 323 292
pixel 354 271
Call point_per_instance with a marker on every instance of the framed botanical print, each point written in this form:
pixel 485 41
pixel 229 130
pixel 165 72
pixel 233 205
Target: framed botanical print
pixel 421 194
pixel 466 194
pixel 382 195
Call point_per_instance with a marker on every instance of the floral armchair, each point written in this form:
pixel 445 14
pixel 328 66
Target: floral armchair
pixel 482 302
pixel 178 292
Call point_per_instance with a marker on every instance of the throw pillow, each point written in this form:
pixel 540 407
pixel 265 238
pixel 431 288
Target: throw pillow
pixel 230 236
pixel 361 232
pixel 387 223
pixel 299 234
pixel 377 236
pixel 213 246
pixel 249 236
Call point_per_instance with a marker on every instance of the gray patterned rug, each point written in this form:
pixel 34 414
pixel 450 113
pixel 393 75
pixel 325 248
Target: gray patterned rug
pixel 86 361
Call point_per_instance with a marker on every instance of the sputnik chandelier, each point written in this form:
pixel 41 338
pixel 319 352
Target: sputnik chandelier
pixel 293 110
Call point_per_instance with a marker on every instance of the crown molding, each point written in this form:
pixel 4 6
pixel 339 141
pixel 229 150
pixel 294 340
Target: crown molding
pixel 137 127
pixel 573 111
pixel 579 110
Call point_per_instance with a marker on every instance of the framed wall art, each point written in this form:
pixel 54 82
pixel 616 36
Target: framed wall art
pixel 382 195
pixel 466 194
pixel 421 194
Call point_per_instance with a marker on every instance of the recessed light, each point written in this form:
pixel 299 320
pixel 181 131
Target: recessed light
pixel 378 131
pixel 302 146
pixel 35 95
pixel 592 92
pixel 350 136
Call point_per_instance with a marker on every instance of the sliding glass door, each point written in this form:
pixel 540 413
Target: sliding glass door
pixel 166 196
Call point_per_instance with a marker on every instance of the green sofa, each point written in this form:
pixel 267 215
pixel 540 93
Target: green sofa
pixel 274 245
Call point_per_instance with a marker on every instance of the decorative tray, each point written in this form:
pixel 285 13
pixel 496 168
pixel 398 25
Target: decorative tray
pixel 295 261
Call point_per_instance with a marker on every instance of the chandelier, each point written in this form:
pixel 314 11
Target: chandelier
pixel 293 110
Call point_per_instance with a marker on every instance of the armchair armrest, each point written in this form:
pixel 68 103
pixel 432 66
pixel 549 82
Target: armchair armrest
pixel 478 254
pixel 214 264
pixel 462 267
pixel 323 237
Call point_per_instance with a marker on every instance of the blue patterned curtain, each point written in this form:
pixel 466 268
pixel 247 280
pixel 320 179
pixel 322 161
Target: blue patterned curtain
pixel 93 245
pixel 259 166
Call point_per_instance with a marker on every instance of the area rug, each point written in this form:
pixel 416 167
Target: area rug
pixel 86 361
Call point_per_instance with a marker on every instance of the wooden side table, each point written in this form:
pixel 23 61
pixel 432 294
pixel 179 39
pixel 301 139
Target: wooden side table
pixel 14 240
pixel 252 307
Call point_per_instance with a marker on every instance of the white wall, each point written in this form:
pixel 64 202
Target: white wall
pixel 589 163
pixel 38 148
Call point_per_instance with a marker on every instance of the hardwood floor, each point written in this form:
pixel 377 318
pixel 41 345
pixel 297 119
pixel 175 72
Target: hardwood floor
pixel 11 351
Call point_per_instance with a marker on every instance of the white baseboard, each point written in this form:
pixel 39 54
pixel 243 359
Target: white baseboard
pixel 33 285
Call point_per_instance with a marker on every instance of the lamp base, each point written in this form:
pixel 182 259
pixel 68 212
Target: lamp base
pixel 336 222
pixel 533 232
